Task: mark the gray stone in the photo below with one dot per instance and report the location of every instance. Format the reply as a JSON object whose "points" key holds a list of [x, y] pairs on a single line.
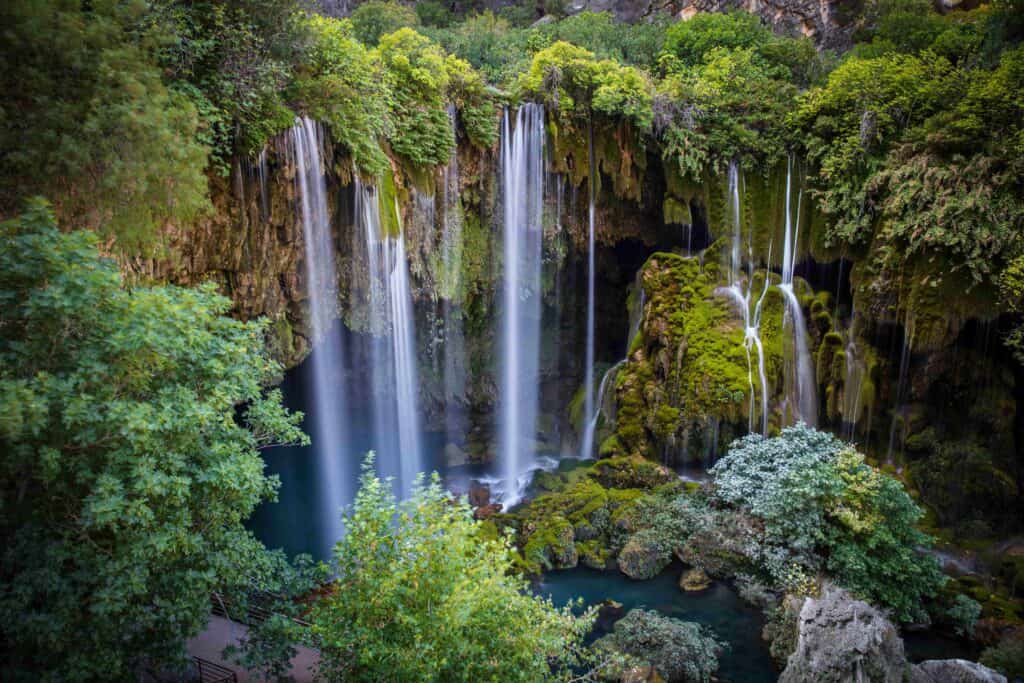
{"points": [[843, 640], [953, 671], [454, 456]]}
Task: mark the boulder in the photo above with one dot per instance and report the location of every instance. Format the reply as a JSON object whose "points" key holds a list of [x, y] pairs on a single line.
{"points": [[953, 671], [640, 558], [487, 511], [693, 580], [843, 640], [479, 495]]}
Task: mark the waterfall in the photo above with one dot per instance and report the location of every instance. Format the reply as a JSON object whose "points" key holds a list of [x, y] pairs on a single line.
{"points": [[853, 383], [395, 390], [591, 427], [452, 295], [329, 420], [587, 449], [898, 408], [261, 179], [739, 290], [522, 171], [804, 381]]}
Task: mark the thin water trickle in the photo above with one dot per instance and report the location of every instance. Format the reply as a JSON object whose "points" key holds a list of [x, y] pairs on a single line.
{"points": [[587, 449]]}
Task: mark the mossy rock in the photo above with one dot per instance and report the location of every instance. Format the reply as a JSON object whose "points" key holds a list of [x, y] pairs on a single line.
{"points": [[551, 546], [642, 557], [631, 472]]}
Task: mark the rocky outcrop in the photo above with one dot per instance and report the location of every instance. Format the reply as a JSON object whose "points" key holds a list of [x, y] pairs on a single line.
{"points": [[829, 23], [843, 640], [953, 671]]}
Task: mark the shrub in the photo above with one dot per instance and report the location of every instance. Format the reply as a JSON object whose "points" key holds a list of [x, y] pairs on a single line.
{"points": [[824, 508]]}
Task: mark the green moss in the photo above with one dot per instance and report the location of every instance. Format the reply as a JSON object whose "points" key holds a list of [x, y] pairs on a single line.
{"points": [[676, 212]]}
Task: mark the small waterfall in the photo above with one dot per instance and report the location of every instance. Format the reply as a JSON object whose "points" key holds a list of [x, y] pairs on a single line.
{"points": [[261, 180], [804, 382], [329, 420], [452, 296], [591, 427], [853, 382], [636, 313], [739, 290], [587, 449], [395, 391], [522, 172]]}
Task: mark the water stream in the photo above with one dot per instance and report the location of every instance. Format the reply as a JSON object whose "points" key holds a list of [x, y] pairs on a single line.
{"points": [[522, 174]]}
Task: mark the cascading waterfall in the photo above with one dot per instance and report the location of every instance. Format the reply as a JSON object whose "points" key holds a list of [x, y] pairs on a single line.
{"points": [[395, 380], [804, 382], [853, 383], [591, 426], [739, 290], [329, 420], [451, 292], [522, 172], [587, 449], [898, 423]]}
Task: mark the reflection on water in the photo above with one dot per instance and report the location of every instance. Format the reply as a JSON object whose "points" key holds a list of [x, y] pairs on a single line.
{"points": [[746, 661]]}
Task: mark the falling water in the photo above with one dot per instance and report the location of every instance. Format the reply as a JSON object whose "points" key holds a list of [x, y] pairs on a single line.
{"points": [[591, 427], [739, 290], [522, 170], [853, 383], [898, 408], [395, 391], [587, 449], [804, 384], [329, 420]]}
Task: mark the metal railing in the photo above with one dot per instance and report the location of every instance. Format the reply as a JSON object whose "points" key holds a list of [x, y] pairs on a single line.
{"points": [[210, 672]]}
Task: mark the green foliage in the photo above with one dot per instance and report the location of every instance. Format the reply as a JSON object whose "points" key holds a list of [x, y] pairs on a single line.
{"points": [[690, 41], [730, 107], [681, 651], [489, 43], [1007, 657], [478, 110], [341, 85], [422, 578], [232, 58], [964, 614], [417, 78], [87, 121], [574, 83], [823, 507], [375, 18], [637, 44], [131, 423]]}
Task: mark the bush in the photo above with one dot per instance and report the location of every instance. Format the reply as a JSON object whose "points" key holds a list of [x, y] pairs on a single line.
{"points": [[680, 650], [824, 508], [375, 18], [1007, 657]]}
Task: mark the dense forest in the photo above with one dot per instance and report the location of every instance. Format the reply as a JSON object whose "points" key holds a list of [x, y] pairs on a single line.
{"points": [[493, 341]]}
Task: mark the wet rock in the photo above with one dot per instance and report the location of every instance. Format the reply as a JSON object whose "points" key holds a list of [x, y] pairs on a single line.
{"points": [[454, 456], [479, 495], [487, 511], [843, 640], [641, 559], [693, 580], [953, 671]]}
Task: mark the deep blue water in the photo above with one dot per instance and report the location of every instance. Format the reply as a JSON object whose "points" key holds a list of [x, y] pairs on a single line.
{"points": [[719, 607]]}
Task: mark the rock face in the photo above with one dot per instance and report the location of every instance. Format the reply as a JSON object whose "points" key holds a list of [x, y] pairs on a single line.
{"points": [[829, 23], [953, 671], [843, 640], [694, 580]]}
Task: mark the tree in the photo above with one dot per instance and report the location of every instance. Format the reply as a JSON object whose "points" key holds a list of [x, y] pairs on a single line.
{"points": [[423, 594], [88, 122], [375, 18], [825, 509], [131, 421]]}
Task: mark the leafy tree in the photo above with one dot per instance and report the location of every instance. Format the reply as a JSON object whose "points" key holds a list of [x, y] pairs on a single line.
{"points": [[423, 594], [232, 58], [824, 508], [131, 422], [690, 41], [88, 122], [573, 82], [489, 43], [375, 18], [730, 107]]}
